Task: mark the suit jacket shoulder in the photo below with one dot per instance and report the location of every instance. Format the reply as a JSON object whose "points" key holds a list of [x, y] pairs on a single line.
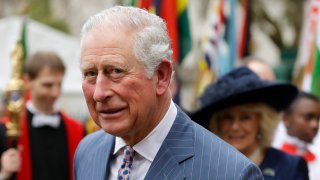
{"points": [[190, 151]]}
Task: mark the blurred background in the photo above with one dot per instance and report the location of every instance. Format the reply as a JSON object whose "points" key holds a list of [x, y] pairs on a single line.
{"points": [[209, 38]]}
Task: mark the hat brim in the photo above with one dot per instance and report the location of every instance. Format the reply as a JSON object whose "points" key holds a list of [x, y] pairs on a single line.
{"points": [[277, 96]]}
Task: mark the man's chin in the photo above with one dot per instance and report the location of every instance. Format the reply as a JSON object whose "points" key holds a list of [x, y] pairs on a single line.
{"points": [[114, 129]]}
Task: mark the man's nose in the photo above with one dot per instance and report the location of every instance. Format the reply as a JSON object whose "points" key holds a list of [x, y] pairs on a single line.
{"points": [[102, 88]]}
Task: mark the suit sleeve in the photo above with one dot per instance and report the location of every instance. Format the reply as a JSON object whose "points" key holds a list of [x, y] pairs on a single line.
{"points": [[251, 172]]}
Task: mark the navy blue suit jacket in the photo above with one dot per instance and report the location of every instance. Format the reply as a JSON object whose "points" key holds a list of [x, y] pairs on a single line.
{"points": [[188, 152], [279, 165]]}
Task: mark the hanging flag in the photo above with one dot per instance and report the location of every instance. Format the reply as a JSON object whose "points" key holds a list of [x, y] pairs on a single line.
{"points": [[175, 14], [315, 82], [183, 30], [305, 66], [167, 9], [204, 77], [245, 37], [213, 36], [227, 52], [210, 44], [220, 46]]}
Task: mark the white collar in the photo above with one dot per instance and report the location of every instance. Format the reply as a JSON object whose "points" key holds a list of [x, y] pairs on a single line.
{"points": [[34, 110], [150, 145], [301, 145], [40, 119]]}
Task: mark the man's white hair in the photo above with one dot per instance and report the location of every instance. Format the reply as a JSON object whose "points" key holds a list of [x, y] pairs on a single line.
{"points": [[151, 42]]}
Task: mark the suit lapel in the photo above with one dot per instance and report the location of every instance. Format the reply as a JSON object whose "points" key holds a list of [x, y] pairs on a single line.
{"points": [[109, 153], [176, 148], [101, 160]]}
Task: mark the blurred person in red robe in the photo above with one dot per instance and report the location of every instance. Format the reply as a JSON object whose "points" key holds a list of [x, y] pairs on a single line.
{"points": [[49, 137]]}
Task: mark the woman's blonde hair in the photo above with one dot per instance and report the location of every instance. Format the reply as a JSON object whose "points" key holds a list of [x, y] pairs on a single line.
{"points": [[268, 121]]}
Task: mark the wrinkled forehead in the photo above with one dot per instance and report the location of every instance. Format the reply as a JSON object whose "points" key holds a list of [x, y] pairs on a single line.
{"points": [[104, 39]]}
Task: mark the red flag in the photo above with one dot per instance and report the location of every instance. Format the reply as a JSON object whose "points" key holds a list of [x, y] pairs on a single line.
{"points": [[168, 11]]}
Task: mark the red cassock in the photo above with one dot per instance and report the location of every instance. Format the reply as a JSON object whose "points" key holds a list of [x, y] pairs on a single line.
{"points": [[75, 132]]}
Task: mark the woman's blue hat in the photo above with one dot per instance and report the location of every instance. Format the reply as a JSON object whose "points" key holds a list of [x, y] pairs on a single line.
{"points": [[242, 86]]}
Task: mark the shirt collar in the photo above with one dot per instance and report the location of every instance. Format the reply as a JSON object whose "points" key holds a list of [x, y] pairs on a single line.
{"points": [[150, 145], [34, 110], [301, 145]]}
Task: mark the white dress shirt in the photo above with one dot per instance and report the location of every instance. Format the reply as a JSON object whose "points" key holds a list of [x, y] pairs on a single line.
{"points": [[145, 150]]}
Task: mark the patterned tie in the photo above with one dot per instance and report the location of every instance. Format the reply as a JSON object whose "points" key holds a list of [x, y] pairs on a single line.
{"points": [[124, 171]]}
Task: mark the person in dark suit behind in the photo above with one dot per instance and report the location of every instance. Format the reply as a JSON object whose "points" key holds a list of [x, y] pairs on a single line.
{"points": [[244, 111], [126, 63]]}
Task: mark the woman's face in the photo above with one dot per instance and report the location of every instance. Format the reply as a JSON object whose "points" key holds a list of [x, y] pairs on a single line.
{"points": [[239, 127]]}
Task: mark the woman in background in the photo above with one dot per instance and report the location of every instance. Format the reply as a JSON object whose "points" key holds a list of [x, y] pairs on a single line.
{"points": [[244, 111]]}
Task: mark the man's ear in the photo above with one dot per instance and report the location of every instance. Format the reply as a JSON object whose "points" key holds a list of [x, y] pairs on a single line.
{"points": [[164, 73]]}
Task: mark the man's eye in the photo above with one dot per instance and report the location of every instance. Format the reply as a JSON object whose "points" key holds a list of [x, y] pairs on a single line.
{"points": [[90, 74], [116, 73], [117, 70]]}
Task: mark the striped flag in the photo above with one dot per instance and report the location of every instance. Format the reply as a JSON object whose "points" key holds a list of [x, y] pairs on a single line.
{"points": [[307, 67], [220, 43], [211, 45], [183, 30], [245, 38], [227, 52]]}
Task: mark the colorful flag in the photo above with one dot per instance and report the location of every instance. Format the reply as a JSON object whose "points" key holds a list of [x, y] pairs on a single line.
{"points": [[183, 30], [167, 9], [175, 13], [315, 82], [245, 37], [227, 52], [307, 65], [210, 44]]}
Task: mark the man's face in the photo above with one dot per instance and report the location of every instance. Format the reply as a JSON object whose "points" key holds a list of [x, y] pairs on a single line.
{"points": [[303, 122], [120, 98], [45, 89]]}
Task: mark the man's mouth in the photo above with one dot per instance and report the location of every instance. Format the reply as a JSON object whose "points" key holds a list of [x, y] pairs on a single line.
{"points": [[111, 113]]}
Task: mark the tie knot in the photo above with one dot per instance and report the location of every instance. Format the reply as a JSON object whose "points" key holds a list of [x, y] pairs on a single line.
{"points": [[128, 154]]}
